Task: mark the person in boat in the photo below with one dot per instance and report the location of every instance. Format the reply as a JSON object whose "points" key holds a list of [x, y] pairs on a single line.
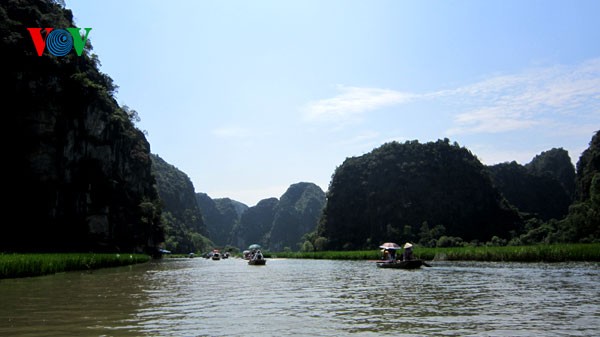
{"points": [[407, 255], [392, 255], [258, 255], [386, 255]]}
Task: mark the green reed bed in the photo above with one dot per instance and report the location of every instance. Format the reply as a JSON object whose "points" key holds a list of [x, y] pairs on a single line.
{"points": [[24, 265], [535, 253]]}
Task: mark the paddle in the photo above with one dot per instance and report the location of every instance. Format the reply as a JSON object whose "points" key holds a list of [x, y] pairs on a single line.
{"points": [[426, 264]]}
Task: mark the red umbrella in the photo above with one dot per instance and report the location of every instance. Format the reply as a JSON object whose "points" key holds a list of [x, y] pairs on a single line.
{"points": [[390, 245]]}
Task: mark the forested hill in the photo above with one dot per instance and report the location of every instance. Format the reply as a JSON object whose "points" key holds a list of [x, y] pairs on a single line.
{"points": [[543, 188], [220, 216], [280, 224], [407, 191], [555, 163], [583, 222], [255, 224], [588, 170], [78, 173], [185, 230], [297, 213]]}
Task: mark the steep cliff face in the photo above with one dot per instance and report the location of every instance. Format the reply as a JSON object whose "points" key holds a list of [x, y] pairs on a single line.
{"points": [[80, 173], [185, 230], [534, 192], [279, 224], [296, 214], [255, 224], [221, 215], [557, 164]]}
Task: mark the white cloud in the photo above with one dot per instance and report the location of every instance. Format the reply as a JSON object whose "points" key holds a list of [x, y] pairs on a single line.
{"points": [[501, 103], [490, 120], [538, 96], [352, 102]]}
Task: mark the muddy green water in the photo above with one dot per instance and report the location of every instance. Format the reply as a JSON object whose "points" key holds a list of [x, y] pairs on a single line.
{"points": [[198, 297]]}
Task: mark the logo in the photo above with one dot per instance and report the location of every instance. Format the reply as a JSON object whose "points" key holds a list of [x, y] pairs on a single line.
{"points": [[59, 42]]}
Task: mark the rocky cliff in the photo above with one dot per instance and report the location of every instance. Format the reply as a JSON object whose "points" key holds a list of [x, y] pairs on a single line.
{"points": [[185, 230], [296, 214], [221, 216], [79, 177]]}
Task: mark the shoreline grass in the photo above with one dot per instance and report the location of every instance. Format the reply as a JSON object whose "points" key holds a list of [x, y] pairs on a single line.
{"points": [[26, 265], [589, 252]]}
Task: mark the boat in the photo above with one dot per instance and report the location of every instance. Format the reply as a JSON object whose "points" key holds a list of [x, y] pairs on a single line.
{"points": [[257, 259], [246, 255], [216, 255], [409, 264], [257, 262]]}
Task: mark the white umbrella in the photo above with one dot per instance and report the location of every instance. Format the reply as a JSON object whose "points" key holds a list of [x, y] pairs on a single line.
{"points": [[390, 245]]}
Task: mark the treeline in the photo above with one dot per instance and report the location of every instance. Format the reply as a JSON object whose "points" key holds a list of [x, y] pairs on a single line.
{"points": [[439, 194]]}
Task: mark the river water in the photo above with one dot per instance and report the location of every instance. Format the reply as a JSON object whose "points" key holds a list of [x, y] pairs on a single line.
{"points": [[198, 297]]}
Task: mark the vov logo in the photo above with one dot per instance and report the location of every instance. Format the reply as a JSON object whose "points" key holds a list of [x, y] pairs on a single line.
{"points": [[59, 41]]}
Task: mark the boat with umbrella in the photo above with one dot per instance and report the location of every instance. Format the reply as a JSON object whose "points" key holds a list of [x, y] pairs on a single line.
{"points": [[256, 257], [406, 261]]}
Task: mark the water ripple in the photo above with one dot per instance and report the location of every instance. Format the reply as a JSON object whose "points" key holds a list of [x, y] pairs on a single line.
{"points": [[197, 297]]}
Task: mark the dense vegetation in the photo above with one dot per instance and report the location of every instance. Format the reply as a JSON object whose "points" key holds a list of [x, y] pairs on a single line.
{"points": [[533, 189], [557, 164], [281, 224], [413, 192], [185, 231], [582, 224], [533, 253], [296, 214], [24, 265], [79, 172], [437, 194], [220, 216], [255, 224]]}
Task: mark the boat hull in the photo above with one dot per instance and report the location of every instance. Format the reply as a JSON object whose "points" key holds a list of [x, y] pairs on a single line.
{"points": [[257, 262], [410, 264]]}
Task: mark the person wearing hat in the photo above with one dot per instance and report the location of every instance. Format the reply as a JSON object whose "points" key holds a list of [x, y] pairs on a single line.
{"points": [[408, 253]]}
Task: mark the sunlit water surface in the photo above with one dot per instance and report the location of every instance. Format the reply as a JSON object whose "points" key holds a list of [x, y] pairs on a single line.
{"points": [[198, 297]]}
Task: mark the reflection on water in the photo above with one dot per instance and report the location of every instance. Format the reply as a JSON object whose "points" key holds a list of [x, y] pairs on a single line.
{"points": [[197, 297]]}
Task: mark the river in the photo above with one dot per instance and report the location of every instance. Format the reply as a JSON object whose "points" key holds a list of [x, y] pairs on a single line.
{"points": [[198, 297]]}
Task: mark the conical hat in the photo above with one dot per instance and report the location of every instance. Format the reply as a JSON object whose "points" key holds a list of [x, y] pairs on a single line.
{"points": [[407, 245]]}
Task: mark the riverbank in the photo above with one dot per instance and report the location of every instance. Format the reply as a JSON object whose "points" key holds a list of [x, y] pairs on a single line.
{"points": [[25, 265], [535, 253]]}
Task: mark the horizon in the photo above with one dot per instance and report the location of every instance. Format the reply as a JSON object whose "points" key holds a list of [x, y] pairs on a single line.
{"points": [[250, 98]]}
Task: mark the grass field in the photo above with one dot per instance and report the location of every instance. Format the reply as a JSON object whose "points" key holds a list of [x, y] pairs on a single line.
{"points": [[24, 265], [535, 253]]}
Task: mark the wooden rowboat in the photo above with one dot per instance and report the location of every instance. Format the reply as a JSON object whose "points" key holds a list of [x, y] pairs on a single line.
{"points": [[410, 264], [257, 262]]}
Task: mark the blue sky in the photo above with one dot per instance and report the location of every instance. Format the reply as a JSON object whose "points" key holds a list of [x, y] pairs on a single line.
{"points": [[249, 97]]}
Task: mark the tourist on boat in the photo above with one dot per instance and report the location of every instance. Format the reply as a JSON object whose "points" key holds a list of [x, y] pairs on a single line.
{"points": [[258, 255], [386, 254], [392, 255], [408, 253]]}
